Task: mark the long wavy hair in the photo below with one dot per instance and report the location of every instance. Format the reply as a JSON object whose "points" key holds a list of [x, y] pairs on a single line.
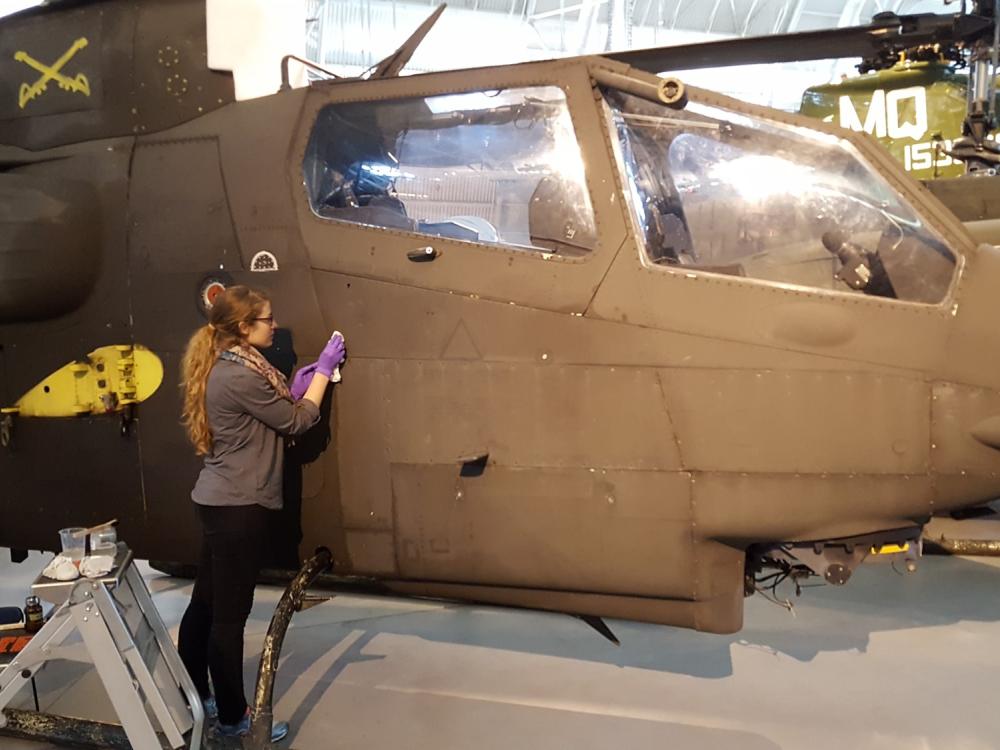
{"points": [[235, 305]]}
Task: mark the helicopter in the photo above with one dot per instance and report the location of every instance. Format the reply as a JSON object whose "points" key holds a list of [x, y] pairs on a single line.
{"points": [[916, 109], [618, 346]]}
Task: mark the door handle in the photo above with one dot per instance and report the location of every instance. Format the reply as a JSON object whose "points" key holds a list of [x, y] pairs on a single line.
{"points": [[423, 254]]}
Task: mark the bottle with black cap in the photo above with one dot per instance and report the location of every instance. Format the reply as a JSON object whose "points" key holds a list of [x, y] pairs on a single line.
{"points": [[33, 616]]}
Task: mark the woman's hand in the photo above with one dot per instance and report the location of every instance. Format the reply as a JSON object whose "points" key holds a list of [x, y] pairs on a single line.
{"points": [[301, 381], [332, 355]]}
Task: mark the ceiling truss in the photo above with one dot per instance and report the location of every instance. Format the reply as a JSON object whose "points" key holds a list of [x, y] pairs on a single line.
{"points": [[359, 32]]}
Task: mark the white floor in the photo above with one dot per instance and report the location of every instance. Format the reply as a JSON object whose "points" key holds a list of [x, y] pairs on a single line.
{"points": [[889, 661]]}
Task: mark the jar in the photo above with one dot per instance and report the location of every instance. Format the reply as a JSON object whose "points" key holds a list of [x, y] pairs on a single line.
{"points": [[34, 619]]}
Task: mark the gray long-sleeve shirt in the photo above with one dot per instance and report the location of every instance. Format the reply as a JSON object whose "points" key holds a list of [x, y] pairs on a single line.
{"points": [[247, 418]]}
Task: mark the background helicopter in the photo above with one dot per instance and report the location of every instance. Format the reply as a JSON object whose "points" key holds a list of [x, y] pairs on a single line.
{"points": [[916, 109], [618, 347]]}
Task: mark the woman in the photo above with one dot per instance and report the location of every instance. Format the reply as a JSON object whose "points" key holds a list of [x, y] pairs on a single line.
{"points": [[236, 408]]}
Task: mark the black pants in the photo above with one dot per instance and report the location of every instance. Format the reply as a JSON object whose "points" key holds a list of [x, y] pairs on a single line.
{"points": [[211, 633]]}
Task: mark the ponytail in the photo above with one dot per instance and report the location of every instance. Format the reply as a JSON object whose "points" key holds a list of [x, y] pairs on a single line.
{"points": [[237, 304], [199, 356]]}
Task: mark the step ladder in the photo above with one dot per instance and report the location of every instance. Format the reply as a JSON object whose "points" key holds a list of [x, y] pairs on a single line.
{"points": [[129, 646]]}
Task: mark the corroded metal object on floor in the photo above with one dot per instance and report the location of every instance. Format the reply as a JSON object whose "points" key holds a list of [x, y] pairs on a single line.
{"points": [[973, 547], [31, 725], [263, 716]]}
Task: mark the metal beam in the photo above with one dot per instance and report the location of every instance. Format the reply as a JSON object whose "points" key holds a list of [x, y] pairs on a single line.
{"points": [[851, 13], [677, 12], [750, 16], [711, 18], [795, 16]]}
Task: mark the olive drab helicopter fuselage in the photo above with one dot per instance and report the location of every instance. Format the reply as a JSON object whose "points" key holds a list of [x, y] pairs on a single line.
{"points": [[616, 347]]}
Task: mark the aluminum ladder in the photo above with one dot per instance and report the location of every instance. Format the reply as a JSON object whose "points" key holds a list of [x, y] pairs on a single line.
{"points": [[128, 644]]}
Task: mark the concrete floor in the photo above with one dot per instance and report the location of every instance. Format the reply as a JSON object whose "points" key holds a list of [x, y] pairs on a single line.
{"points": [[888, 661]]}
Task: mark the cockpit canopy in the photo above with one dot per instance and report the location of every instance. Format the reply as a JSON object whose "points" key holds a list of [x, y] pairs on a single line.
{"points": [[720, 191]]}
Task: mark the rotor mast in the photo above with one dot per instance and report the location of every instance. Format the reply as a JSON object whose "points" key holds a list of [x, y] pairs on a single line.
{"points": [[974, 148]]}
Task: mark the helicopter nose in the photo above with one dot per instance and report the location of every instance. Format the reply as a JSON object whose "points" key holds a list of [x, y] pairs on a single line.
{"points": [[965, 446]]}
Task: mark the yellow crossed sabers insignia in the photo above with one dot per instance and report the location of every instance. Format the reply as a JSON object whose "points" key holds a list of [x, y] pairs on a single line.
{"points": [[79, 83]]}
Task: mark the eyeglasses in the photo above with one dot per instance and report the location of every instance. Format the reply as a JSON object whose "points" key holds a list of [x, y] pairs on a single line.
{"points": [[269, 319]]}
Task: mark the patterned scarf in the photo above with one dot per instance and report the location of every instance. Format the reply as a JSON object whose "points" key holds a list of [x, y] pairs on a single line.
{"points": [[248, 356]]}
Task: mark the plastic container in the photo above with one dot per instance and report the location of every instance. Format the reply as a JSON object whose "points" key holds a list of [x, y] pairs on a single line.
{"points": [[74, 540], [104, 541]]}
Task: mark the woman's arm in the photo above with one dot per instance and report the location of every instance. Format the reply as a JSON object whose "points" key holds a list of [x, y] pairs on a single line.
{"points": [[317, 388], [256, 397]]}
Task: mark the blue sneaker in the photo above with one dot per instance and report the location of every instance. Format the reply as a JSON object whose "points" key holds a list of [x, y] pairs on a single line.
{"points": [[211, 709], [279, 730]]}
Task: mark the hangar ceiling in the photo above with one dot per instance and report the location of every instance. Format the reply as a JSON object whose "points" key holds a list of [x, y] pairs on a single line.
{"points": [[348, 35]]}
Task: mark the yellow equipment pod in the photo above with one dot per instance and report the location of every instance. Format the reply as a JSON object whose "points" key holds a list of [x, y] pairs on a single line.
{"points": [[891, 549], [110, 379]]}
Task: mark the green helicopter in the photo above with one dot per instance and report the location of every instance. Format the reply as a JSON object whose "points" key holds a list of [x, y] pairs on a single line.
{"points": [[916, 109]]}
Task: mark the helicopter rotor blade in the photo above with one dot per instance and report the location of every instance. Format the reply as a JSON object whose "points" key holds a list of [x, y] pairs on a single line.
{"points": [[883, 35], [390, 66]]}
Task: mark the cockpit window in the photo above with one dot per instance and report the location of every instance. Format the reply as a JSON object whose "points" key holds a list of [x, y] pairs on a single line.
{"points": [[722, 192], [497, 167]]}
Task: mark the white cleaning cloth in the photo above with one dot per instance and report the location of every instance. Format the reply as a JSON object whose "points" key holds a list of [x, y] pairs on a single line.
{"points": [[335, 377], [96, 566], [61, 569]]}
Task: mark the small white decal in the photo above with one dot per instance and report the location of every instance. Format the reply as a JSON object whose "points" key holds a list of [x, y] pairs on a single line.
{"points": [[264, 261]]}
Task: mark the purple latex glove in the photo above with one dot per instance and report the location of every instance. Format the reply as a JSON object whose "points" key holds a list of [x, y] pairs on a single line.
{"points": [[301, 381], [331, 356]]}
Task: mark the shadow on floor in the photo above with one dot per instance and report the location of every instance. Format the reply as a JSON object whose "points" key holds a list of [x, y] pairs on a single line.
{"points": [[944, 591]]}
